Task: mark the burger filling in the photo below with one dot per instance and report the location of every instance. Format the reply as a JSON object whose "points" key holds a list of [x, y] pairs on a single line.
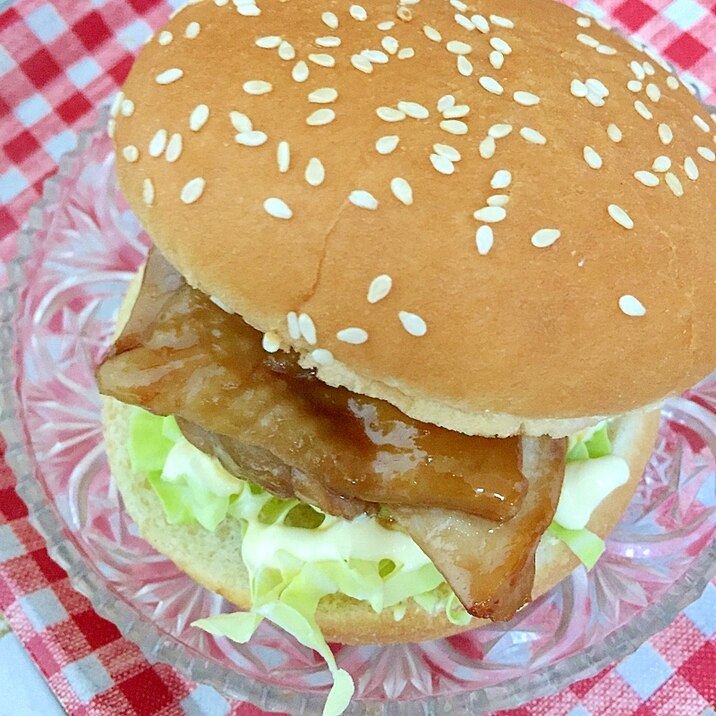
{"points": [[336, 492]]}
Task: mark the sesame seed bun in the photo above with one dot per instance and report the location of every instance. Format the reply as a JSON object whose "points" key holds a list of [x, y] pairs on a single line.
{"points": [[589, 294], [210, 558]]}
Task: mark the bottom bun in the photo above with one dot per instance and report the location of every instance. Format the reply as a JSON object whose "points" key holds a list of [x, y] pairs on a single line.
{"points": [[213, 558]]}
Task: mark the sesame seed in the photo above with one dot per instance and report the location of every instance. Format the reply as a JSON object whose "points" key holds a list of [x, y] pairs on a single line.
{"points": [[500, 131], [634, 86], [130, 153], [464, 66], [498, 200], [456, 112], [532, 136], [442, 164], [674, 183], [526, 99], [672, 82], [484, 240], [376, 56], [257, 87], [649, 68], [390, 114], [283, 156], [389, 44], [386, 25], [491, 85], [387, 144], [544, 238], [501, 179], [588, 40], [459, 48], [692, 171], [406, 53], [595, 100], [193, 190], [647, 178], [458, 5], [653, 92], [661, 164], [702, 124], [320, 117], [294, 330], [358, 12], [330, 19], [240, 122], [632, 306], [491, 214], [168, 76], [445, 150], [414, 110], [353, 336], [578, 88], [198, 117], [464, 22], [174, 148], [638, 70], [269, 42], [488, 147], [502, 21], [620, 216], [643, 110], [453, 126], [584, 22], [432, 34], [165, 37], [315, 172], [247, 9], [445, 102], [614, 133], [592, 157], [322, 59], [597, 87], [250, 139], [158, 143], [606, 50], [328, 41], [307, 328], [363, 199], [497, 59], [300, 71], [666, 134], [402, 190], [500, 45], [148, 192], [126, 108], [480, 23], [192, 30], [271, 342], [322, 356], [286, 51], [707, 153], [324, 95], [379, 288], [277, 208], [116, 104], [413, 323]]}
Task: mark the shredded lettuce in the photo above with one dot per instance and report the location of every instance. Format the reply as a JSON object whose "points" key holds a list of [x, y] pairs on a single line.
{"points": [[295, 555], [584, 543]]}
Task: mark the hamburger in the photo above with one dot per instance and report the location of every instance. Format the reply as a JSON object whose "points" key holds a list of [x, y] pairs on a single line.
{"points": [[421, 275]]}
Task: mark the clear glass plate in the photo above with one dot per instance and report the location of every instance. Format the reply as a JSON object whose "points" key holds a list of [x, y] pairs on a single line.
{"points": [[74, 262]]}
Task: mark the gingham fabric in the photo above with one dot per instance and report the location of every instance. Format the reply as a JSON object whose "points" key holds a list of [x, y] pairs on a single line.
{"points": [[60, 60]]}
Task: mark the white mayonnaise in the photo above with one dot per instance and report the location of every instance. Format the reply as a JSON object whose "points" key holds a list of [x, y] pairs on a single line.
{"points": [[586, 485]]}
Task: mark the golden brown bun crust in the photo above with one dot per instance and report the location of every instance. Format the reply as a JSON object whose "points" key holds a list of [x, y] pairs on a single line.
{"points": [[212, 559], [523, 338]]}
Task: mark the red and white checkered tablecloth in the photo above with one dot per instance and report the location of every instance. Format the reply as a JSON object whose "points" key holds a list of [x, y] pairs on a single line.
{"points": [[60, 60]]}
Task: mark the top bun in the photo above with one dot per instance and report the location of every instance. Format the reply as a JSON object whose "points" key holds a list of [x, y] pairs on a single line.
{"points": [[497, 216]]}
